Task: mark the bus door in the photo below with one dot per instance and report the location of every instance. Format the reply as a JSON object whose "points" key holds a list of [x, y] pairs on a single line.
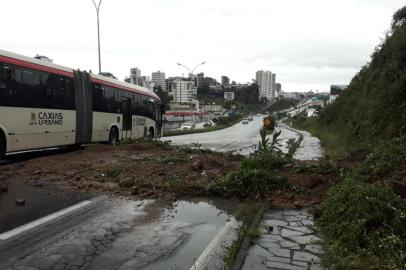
{"points": [[127, 118]]}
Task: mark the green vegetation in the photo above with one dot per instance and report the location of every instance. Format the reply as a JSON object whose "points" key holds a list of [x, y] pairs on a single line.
{"points": [[281, 104], [293, 145], [224, 122], [365, 227], [113, 173], [253, 232], [363, 219], [373, 107], [385, 163], [252, 183], [249, 216], [174, 183], [258, 174]]}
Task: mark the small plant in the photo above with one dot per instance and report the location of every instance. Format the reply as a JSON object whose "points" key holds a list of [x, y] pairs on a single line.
{"points": [[196, 145], [174, 183], [252, 183], [294, 145], [365, 226], [126, 182], [264, 144], [249, 217], [384, 161], [113, 173], [253, 233]]}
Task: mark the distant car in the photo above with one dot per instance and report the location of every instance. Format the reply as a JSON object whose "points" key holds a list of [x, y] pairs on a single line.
{"points": [[245, 121], [187, 126], [250, 118]]}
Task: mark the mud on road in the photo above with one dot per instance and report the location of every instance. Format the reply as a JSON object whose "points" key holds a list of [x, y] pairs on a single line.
{"points": [[142, 170]]}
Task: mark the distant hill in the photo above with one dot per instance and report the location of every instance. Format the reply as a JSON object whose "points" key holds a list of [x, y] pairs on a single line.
{"points": [[373, 107]]}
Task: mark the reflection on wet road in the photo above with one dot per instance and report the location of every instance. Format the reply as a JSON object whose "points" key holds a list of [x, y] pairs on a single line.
{"points": [[235, 138], [120, 237], [243, 139]]}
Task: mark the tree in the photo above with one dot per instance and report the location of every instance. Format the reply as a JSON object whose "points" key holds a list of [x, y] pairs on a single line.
{"points": [[164, 96], [399, 17]]}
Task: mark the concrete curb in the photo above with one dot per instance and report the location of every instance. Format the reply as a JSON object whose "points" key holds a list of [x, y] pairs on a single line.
{"points": [[202, 262], [242, 253], [44, 232]]}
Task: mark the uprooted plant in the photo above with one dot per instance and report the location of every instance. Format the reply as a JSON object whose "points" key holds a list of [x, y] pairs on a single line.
{"points": [[258, 174]]}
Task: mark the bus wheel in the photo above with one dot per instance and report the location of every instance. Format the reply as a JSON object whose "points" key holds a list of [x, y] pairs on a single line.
{"points": [[2, 147], [113, 136]]}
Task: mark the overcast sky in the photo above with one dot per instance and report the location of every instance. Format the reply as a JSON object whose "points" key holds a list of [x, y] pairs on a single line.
{"points": [[308, 44]]}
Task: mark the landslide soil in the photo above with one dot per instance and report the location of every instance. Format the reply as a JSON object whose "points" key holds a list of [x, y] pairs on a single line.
{"points": [[152, 170], [141, 170]]}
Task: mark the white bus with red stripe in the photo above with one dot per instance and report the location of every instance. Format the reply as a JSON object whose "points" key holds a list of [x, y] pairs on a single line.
{"points": [[44, 105]]}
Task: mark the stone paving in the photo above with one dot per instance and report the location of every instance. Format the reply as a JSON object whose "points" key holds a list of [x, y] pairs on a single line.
{"points": [[287, 242]]}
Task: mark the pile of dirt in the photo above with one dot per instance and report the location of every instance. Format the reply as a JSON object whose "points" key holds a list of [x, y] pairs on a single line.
{"points": [[144, 169], [155, 170], [313, 187]]}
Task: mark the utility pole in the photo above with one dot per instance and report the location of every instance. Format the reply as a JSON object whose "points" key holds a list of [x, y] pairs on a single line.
{"points": [[98, 30]]}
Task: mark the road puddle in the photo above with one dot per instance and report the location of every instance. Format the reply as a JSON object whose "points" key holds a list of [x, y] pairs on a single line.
{"points": [[124, 235], [37, 202]]}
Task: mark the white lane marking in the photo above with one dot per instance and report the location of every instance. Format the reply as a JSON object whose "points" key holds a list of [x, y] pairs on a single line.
{"points": [[204, 258], [42, 220]]}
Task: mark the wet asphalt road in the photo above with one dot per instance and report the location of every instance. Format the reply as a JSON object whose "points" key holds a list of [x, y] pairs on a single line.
{"points": [[243, 139], [115, 234], [237, 138]]}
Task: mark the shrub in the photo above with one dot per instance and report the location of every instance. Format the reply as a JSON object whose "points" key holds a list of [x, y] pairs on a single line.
{"points": [[113, 173], [266, 160], [252, 183], [365, 225], [384, 161]]}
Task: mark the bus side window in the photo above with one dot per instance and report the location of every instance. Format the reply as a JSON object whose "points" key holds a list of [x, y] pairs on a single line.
{"points": [[6, 89], [110, 99], [29, 92], [98, 99], [55, 92], [137, 105]]}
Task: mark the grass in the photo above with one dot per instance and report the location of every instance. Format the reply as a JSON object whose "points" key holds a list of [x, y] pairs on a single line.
{"points": [[363, 220], [202, 130], [253, 233], [256, 177], [249, 216], [113, 173], [330, 140]]}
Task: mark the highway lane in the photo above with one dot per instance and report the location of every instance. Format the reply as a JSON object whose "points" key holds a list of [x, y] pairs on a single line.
{"points": [[244, 138]]}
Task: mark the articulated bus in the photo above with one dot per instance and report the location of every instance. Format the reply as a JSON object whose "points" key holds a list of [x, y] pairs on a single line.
{"points": [[44, 105]]}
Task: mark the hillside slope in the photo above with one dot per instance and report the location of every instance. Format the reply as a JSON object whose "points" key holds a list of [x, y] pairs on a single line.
{"points": [[373, 108]]}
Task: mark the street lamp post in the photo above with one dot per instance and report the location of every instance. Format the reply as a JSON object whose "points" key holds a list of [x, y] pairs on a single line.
{"points": [[192, 70], [191, 73], [98, 30]]}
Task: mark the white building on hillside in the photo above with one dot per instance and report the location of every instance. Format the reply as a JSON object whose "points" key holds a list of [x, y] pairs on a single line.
{"points": [[182, 91], [266, 83], [158, 79], [135, 76]]}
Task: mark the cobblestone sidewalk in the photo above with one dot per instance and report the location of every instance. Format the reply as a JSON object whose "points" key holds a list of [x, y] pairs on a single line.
{"points": [[287, 242]]}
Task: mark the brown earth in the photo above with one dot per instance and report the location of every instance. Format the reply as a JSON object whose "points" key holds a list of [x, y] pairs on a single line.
{"points": [[140, 170], [314, 188], [152, 170]]}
